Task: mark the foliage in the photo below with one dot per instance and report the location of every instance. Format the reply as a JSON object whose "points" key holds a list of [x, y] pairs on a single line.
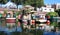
{"points": [[52, 14], [17, 1], [3, 1], [17, 13], [37, 3], [54, 24], [58, 11]]}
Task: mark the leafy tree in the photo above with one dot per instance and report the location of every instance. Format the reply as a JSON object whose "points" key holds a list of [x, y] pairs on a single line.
{"points": [[52, 14], [3, 1], [37, 3], [17, 1], [58, 11]]}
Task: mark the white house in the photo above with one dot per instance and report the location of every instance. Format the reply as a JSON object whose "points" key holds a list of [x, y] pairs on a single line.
{"points": [[45, 9]]}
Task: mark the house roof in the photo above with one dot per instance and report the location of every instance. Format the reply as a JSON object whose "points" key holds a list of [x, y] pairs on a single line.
{"points": [[10, 5]]}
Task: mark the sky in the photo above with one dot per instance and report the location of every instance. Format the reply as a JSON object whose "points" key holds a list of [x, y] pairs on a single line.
{"points": [[51, 1]]}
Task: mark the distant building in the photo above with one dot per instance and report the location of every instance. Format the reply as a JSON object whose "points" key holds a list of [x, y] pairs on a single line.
{"points": [[56, 6], [48, 6]]}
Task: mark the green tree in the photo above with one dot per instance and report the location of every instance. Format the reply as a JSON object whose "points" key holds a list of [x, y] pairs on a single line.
{"points": [[27, 2], [17, 1], [58, 11], [3, 1], [54, 14], [39, 3]]}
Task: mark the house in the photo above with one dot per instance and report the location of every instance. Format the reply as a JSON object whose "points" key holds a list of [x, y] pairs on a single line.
{"points": [[46, 9]]}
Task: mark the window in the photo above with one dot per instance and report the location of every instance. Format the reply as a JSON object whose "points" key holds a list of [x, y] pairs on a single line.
{"points": [[50, 9], [8, 15], [45, 9]]}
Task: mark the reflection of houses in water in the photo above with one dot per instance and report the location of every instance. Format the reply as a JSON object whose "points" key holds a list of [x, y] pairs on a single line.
{"points": [[9, 15]]}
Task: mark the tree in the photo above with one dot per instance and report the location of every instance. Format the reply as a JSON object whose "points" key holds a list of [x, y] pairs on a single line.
{"points": [[3, 1], [17, 1], [35, 3], [58, 11], [39, 3], [51, 14], [54, 14]]}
